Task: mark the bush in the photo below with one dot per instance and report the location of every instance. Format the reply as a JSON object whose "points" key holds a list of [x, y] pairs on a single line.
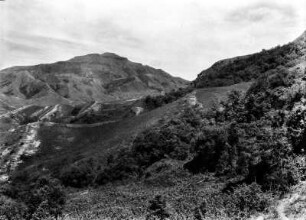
{"points": [[11, 209], [120, 167], [34, 197], [296, 128], [241, 203], [158, 209], [152, 102], [250, 198], [80, 174], [170, 139], [209, 145]]}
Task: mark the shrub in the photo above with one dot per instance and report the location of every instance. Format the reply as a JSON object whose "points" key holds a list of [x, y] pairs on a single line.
{"points": [[152, 102], [45, 197], [209, 145], [80, 174], [35, 197], [158, 209], [296, 127], [120, 167], [11, 209], [244, 201], [170, 139]]}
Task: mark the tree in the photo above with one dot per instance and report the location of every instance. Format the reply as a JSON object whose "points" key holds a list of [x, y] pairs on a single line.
{"points": [[35, 197], [10, 209], [45, 198]]}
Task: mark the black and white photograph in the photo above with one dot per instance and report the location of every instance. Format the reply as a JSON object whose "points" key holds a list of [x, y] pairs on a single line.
{"points": [[152, 110]]}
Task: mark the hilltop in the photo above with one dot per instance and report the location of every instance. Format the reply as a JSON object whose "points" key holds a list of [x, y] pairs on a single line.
{"points": [[250, 67], [93, 77]]}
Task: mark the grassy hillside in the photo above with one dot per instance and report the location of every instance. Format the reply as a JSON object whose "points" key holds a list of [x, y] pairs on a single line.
{"points": [[213, 95], [212, 154], [205, 164], [231, 162], [246, 150], [64, 143]]}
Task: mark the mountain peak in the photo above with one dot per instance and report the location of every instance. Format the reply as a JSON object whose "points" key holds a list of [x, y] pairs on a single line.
{"points": [[112, 55], [96, 57]]}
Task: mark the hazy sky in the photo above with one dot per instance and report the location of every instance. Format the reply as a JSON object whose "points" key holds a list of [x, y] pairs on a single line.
{"points": [[183, 37]]}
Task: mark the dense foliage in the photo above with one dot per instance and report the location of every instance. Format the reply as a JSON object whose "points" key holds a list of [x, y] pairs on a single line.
{"points": [[32, 196], [152, 102], [237, 138], [239, 204], [169, 140], [79, 174], [252, 142], [247, 68], [255, 136]]}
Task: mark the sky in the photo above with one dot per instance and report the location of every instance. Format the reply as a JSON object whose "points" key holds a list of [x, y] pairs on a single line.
{"points": [[182, 37]]}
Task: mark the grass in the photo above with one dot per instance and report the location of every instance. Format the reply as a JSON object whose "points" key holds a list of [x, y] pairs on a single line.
{"points": [[211, 96], [130, 200], [62, 144]]}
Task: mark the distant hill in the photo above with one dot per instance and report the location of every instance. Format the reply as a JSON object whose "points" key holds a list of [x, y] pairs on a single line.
{"points": [[93, 77], [246, 68]]}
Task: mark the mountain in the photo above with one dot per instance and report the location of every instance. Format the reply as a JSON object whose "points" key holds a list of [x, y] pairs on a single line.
{"points": [[233, 149], [93, 89], [93, 77], [250, 67]]}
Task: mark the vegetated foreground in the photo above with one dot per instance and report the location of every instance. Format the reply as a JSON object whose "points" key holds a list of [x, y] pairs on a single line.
{"points": [[233, 156], [64, 145], [227, 163]]}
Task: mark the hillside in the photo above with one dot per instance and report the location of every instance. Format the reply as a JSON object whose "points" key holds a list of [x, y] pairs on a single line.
{"points": [[61, 139], [209, 152], [232, 161], [93, 77], [250, 67]]}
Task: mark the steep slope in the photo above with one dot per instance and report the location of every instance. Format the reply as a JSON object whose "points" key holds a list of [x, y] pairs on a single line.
{"points": [[94, 77], [61, 140], [250, 67]]}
